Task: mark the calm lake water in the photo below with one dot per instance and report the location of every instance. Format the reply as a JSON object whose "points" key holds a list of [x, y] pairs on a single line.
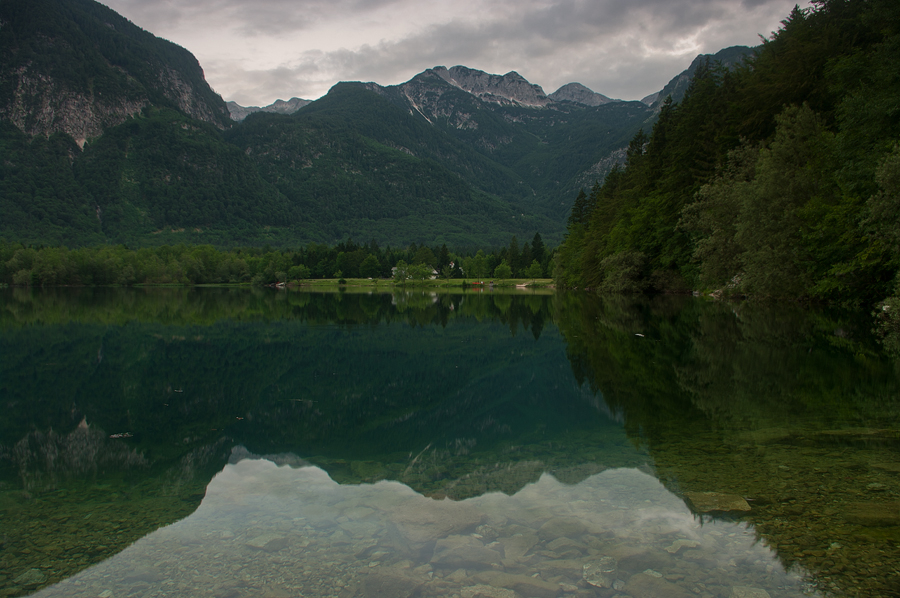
{"points": [[233, 442]]}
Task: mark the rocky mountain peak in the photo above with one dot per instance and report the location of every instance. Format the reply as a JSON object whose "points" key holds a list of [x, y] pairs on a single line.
{"points": [[579, 94], [239, 113], [511, 88]]}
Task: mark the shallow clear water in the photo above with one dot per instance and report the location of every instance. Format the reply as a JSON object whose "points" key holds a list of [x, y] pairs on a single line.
{"points": [[264, 529], [235, 443]]}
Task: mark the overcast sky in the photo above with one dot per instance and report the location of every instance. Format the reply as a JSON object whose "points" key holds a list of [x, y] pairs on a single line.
{"points": [[257, 51]]}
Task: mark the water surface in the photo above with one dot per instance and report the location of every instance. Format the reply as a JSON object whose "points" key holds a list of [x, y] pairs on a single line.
{"points": [[169, 442]]}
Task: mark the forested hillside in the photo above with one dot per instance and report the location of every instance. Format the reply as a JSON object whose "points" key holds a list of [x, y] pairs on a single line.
{"points": [[111, 135], [549, 150], [355, 164], [77, 67], [780, 178]]}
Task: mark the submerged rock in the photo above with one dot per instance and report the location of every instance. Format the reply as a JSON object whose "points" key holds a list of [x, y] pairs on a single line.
{"points": [[483, 591], [710, 502], [463, 551], [568, 568], [874, 514], [602, 573], [560, 527], [422, 520], [891, 466], [523, 584], [679, 544], [648, 586], [381, 584], [32, 577], [745, 592], [518, 545], [268, 542]]}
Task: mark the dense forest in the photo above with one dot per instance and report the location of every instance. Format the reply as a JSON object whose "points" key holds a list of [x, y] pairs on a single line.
{"points": [[778, 178], [204, 264]]}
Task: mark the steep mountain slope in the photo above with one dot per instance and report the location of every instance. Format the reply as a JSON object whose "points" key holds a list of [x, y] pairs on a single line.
{"points": [[163, 171], [508, 89], [676, 88], [357, 164], [554, 147], [112, 135], [77, 67], [160, 177], [453, 152]]}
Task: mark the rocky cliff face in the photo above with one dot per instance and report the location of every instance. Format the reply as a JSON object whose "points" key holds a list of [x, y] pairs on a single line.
{"points": [[579, 94], [42, 106], [188, 96], [78, 68], [510, 88], [431, 95]]}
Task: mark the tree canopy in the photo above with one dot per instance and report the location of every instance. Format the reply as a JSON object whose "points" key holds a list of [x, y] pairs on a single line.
{"points": [[772, 179]]}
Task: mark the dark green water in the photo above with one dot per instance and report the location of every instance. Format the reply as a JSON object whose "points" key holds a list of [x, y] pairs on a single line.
{"points": [[225, 442]]}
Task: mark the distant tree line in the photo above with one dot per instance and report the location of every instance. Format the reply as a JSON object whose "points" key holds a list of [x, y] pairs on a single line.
{"points": [[204, 264]]}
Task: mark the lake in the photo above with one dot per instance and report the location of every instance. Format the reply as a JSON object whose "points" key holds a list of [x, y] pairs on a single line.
{"points": [[235, 442]]}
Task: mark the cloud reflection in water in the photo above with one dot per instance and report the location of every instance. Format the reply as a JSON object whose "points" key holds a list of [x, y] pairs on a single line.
{"points": [[268, 530]]}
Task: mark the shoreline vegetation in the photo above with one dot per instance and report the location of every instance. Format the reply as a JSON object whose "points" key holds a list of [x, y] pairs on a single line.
{"points": [[438, 283], [326, 284], [186, 265]]}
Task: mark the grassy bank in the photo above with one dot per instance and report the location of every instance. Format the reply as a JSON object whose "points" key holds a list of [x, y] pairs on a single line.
{"points": [[526, 284]]}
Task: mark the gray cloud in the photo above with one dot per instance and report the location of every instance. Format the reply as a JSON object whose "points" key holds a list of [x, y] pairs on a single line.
{"points": [[257, 52], [260, 17]]}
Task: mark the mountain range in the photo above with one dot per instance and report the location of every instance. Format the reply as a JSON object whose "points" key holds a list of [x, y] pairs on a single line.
{"points": [[110, 134]]}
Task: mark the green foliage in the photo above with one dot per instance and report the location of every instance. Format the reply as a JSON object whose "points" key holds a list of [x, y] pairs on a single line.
{"points": [[166, 171], [714, 217], [301, 272], [355, 163], [425, 256], [370, 267], [762, 180], [535, 270], [791, 189], [503, 271], [883, 208], [157, 176], [476, 266], [420, 272], [401, 272], [624, 273], [40, 197]]}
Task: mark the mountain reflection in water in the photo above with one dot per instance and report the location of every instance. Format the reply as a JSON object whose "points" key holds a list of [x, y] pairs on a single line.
{"points": [[269, 530], [486, 445]]}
